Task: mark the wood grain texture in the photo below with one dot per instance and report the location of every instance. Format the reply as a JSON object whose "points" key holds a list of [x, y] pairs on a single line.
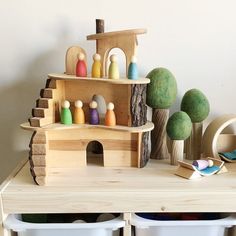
{"points": [[116, 33], [177, 152], [138, 105], [94, 189], [159, 148], [57, 126], [81, 144], [196, 146], [65, 77], [188, 148]]}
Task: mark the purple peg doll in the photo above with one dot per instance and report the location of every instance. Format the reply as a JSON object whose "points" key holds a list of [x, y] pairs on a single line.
{"points": [[93, 113]]}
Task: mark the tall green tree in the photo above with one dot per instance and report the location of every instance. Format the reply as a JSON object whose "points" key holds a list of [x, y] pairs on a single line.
{"points": [[161, 94]]}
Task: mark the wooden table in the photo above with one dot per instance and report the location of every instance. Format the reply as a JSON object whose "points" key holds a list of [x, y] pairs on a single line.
{"points": [[125, 190]]}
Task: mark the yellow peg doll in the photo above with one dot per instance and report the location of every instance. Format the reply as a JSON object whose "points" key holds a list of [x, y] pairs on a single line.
{"points": [[97, 66]]}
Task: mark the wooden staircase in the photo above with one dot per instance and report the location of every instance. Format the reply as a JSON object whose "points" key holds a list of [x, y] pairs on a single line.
{"points": [[48, 105]]}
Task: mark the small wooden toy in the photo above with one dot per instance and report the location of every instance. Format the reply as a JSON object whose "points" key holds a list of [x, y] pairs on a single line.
{"points": [[133, 69], [79, 117], [101, 107], [202, 164], [66, 117], [110, 118], [179, 127], [54, 145], [93, 113], [213, 139], [191, 171], [113, 72], [81, 68], [97, 66], [161, 94], [196, 105]]}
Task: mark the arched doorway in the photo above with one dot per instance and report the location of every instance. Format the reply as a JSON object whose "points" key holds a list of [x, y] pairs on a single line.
{"points": [[122, 60], [94, 153]]}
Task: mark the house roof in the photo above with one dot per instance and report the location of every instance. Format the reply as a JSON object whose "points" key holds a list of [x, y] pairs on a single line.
{"points": [[116, 33]]}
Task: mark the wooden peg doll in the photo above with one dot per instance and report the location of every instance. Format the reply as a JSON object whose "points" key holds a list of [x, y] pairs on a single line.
{"points": [[133, 69], [79, 117], [81, 68], [66, 117], [113, 72], [110, 117], [93, 113], [97, 66], [203, 164]]}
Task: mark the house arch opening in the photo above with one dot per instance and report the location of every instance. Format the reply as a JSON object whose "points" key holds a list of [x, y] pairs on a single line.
{"points": [[94, 153], [121, 60]]}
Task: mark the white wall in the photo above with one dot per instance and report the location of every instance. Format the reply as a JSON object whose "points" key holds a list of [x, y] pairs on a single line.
{"points": [[195, 39]]}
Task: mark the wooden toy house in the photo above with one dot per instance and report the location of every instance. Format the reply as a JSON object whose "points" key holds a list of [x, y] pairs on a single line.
{"points": [[61, 147]]}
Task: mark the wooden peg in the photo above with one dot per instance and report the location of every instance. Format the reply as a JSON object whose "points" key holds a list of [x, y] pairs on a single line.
{"points": [[81, 68], [66, 117], [133, 69], [79, 117], [99, 26], [110, 117], [93, 113], [113, 72], [97, 66]]}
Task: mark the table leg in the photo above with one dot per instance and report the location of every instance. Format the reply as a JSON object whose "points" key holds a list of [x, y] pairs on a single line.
{"points": [[127, 228]]}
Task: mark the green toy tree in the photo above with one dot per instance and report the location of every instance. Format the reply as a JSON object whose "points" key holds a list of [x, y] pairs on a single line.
{"points": [[196, 105], [178, 128], [161, 94]]}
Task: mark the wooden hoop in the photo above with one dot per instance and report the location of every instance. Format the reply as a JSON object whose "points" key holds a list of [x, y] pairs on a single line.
{"points": [[212, 132]]}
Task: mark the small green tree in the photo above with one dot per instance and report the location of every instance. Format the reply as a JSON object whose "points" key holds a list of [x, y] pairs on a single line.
{"points": [[161, 94], [196, 105], [179, 127]]}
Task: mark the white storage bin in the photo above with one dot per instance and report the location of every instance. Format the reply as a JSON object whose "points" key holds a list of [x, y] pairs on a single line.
{"points": [[106, 228], [147, 227]]}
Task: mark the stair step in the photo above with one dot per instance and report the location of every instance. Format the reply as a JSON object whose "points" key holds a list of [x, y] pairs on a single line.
{"points": [[46, 93], [41, 112], [51, 83], [44, 103], [39, 122]]}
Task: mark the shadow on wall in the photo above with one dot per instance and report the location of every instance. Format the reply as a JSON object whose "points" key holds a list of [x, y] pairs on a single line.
{"points": [[18, 99]]}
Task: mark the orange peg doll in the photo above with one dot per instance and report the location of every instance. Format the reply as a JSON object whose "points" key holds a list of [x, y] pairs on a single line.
{"points": [[81, 68], [110, 117], [79, 117]]}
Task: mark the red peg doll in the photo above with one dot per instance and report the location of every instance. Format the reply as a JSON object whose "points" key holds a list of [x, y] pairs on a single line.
{"points": [[81, 68]]}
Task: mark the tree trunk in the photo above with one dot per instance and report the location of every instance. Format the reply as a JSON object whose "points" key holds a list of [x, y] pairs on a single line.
{"points": [[159, 148], [177, 152], [188, 148], [194, 143], [197, 141]]}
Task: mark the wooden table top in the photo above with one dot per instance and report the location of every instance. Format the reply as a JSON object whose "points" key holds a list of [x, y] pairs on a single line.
{"points": [[153, 188]]}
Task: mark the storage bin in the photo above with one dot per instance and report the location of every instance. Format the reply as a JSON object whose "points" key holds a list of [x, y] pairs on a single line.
{"points": [[106, 228], [150, 227]]}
